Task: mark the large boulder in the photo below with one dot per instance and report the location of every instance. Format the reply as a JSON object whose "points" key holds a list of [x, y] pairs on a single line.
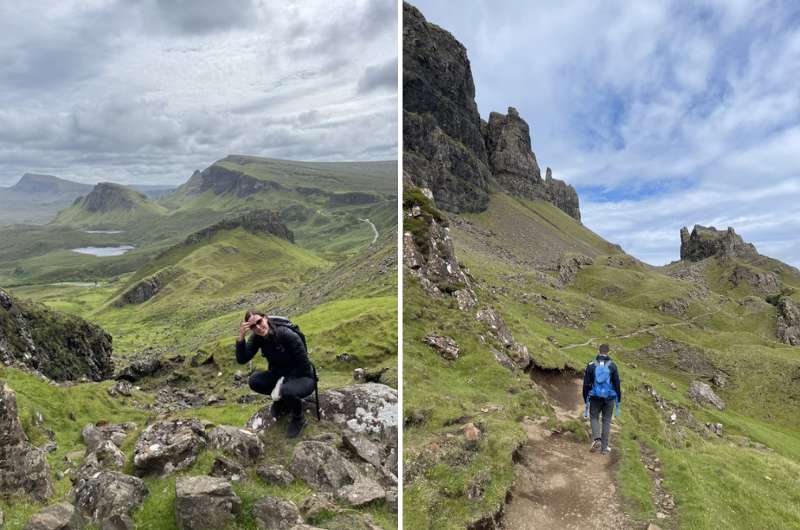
{"points": [[60, 346], [275, 474], [702, 393], [243, 444], [94, 435], [323, 467], [205, 503], [168, 446], [369, 409], [62, 516], [23, 467], [273, 513], [788, 329], [140, 368], [108, 499], [361, 493]]}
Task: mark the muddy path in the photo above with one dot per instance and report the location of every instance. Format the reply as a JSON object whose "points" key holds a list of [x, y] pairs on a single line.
{"points": [[558, 483]]}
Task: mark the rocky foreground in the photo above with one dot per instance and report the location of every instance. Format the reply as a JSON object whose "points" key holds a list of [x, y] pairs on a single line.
{"points": [[350, 464]]}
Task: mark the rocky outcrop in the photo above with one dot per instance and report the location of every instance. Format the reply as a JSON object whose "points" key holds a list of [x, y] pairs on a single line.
{"points": [[515, 352], [221, 180], [788, 329], [323, 467], [447, 148], [570, 264], [702, 393], [443, 144], [205, 503], [445, 346], [168, 446], [259, 222], [428, 252], [514, 165], [23, 467], [108, 499], [705, 242], [275, 474], [147, 288], [762, 282], [60, 346], [61, 516]]}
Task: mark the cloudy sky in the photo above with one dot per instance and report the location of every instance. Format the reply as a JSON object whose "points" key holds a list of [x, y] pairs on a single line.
{"points": [[661, 114], [146, 91]]}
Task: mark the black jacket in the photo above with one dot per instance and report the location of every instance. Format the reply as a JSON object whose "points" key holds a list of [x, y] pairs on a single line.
{"points": [[588, 377], [283, 349]]}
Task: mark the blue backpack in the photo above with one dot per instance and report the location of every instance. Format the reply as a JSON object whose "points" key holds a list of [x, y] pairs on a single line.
{"points": [[602, 387]]}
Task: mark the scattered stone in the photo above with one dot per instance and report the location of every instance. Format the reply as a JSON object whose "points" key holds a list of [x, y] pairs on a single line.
{"points": [[702, 393], [139, 369], [359, 375], [275, 474], [364, 448], [168, 446], [471, 433], [205, 503], [674, 306], [226, 468], [108, 498], [345, 358], [23, 467], [202, 358], [673, 386], [120, 388], [447, 347], [391, 499], [570, 264], [719, 380], [95, 434], [322, 466], [276, 514], [243, 444], [716, 428], [62, 516], [361, 493], [108, 455], [317, 504]]}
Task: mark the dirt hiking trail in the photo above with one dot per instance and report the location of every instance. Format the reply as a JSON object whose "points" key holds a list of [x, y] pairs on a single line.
{"points": [[558, 483]]}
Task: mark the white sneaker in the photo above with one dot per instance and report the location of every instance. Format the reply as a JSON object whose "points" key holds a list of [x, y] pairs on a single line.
{"points": [[276, 392], [595, 447]]}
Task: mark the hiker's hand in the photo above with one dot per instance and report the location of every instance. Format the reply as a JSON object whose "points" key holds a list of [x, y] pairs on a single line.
{"points": [[244, 327]]}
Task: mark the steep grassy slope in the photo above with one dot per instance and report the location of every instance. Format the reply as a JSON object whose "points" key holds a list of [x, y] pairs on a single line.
{"points": [[665, 332]]}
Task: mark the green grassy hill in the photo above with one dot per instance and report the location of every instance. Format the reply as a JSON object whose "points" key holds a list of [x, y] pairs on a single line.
{"points": [[338, 281], [666, 326]]}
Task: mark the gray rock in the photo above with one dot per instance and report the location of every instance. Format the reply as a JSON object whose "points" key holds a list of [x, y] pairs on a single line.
{"points": [[121, 388], [570, 264], [109, 456], [108, 498], [139, 369], [95, 434], [242, 444], [204, 503], [391, 499], [788, 328], [359, 375], [705, 242], [23, 467], [702, 393], [361, 493], [322, 466], [496, 324], [317, 504], [275, 474], [168, 446], [351, 520], [445, 346], [272, 513], [364, 448], [716, 428], [62, 516], [369, 409], [761, 282], [225, 468]]}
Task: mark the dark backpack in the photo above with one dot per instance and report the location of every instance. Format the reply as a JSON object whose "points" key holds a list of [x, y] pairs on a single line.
{"points": [[286, 323], [602, 387]]}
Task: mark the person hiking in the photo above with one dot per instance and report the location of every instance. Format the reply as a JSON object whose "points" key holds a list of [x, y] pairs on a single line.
{"points": [[601, 391], [289, 376]]}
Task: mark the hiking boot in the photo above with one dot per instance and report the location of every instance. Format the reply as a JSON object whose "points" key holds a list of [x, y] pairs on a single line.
{"points": [[605, 451], [296, 425], [595, 447], [278, 410]]}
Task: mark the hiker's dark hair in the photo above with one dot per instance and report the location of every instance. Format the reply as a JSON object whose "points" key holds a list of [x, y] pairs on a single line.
{"points": [[603, 348], [251, 312]]}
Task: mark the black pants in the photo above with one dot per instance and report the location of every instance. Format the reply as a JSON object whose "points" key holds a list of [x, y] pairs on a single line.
{"points": [[293, 389]]}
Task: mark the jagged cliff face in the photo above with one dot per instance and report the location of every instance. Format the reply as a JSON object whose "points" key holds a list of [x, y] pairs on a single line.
{"points": [[444, 149], [447, 148], [705, 242], [222, 180], [62, 347]]}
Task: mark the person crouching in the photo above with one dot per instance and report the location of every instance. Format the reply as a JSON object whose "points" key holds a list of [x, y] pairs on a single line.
{"points": [[289, 376]]}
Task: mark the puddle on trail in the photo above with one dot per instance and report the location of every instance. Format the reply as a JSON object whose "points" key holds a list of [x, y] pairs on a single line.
{"points": [[563, 387], [104, 251]]}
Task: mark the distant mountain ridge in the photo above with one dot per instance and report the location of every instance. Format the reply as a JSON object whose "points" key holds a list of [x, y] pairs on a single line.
{"points": [[38, 183]]}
